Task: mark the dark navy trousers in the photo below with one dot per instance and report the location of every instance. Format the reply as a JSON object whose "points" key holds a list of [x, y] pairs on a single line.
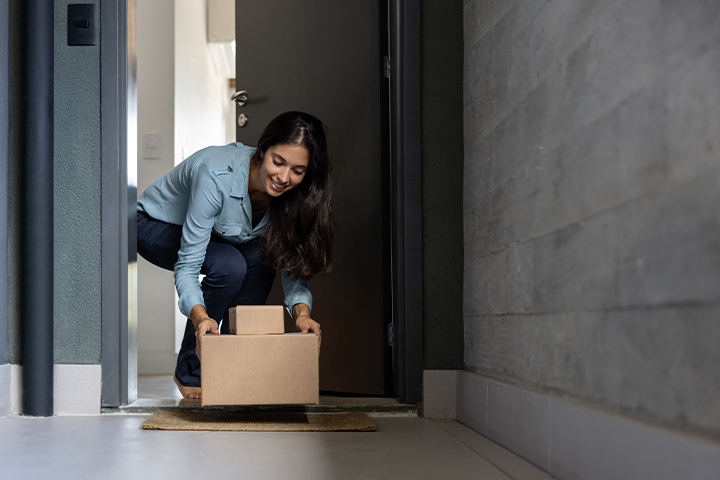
{"points": [[234, 275]]}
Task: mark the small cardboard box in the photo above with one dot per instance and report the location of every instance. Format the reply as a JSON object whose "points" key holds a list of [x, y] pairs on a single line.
{"points": [[256, 320], [260, 369]]}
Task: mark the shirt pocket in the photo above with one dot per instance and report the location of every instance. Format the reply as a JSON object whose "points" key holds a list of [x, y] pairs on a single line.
{"points": [[229, 230]]}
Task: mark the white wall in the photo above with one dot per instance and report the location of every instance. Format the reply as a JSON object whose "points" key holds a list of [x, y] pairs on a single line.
{"points": [[181, 98], [200, 95], [156, 113]]}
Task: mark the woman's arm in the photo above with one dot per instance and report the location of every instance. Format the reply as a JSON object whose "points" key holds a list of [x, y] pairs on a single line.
{"points": [[304, 323], [204, 205]]}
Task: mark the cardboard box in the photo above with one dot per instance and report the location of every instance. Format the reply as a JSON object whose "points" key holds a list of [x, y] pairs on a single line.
{"points": [[256, 320], [260, 369]]}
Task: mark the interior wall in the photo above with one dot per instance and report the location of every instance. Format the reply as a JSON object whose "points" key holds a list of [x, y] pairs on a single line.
{"points": [[77, 226], [155, 115], [592, 238], [181, 98], [200, 95], [442, 170], [4, 165], [14, 226]]}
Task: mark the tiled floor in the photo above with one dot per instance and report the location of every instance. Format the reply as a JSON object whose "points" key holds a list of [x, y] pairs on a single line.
{"points": [[113, 446]]}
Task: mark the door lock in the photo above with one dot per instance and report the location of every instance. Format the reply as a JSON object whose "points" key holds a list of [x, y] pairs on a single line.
{"points": [[242, 120]]}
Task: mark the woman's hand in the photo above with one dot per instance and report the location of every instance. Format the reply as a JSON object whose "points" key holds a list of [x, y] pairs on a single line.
{"points": [[304, 323], [203, 324]]}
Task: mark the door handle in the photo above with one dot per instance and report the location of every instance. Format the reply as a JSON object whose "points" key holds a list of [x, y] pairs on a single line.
{"points": [[239, 97]]}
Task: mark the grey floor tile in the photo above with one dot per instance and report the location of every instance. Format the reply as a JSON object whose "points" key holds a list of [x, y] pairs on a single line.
{"points": [[506, 461], [114, 447]]}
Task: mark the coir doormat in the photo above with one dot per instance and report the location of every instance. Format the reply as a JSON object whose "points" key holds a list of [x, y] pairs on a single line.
{"points": [[260, 422]]}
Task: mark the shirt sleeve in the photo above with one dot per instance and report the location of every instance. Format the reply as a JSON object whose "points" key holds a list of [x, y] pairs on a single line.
{"points": [[204, 205], [297, 290]]}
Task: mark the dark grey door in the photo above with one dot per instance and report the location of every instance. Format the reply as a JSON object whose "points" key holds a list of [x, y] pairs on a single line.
{"points": [[325, 57]]}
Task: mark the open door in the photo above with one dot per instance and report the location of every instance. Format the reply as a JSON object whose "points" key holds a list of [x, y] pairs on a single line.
{"points": [[327, 58]]}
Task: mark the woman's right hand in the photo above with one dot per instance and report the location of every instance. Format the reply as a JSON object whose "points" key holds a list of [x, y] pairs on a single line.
{"points": [[203, 325]]}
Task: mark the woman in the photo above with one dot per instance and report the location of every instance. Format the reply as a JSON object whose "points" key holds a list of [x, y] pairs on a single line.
{"points": [[237, 214]]}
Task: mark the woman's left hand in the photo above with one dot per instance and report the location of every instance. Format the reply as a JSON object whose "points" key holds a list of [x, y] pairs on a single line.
{"points": [[305, 324]]}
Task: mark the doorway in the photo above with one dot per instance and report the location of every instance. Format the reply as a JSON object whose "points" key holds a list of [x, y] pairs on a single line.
{"points": [[405, 357], [327, 58]]}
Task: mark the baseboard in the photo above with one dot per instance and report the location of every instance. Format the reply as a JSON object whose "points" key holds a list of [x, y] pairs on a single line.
{"points": [[439, 387], [572, 441], [5, 388], [156, 363], [76, 389], [16, 385]]}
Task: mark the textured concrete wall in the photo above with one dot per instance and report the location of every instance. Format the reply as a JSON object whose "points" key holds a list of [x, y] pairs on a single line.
{"points": [[591, 193], [77, 195], [14, 183], [442, 168]]}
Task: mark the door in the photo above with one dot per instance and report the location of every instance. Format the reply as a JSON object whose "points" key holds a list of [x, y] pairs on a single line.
{"points": [[326, 58]]}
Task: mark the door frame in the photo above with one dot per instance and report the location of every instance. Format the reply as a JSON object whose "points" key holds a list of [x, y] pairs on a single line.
{"points": [[119, 193], [404, 25], [118, 80]]}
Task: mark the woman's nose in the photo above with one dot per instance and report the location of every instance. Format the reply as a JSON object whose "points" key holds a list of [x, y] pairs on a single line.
{"points": [[285, 175]]}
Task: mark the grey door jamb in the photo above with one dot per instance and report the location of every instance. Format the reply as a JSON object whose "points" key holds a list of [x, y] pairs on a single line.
{"points": [[117, 65], [406, 199]]}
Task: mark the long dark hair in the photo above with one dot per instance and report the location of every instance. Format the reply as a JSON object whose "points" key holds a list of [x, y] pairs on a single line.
{"points": [[298, 238]]}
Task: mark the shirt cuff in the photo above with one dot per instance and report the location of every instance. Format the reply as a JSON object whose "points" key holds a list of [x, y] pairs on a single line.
{"points": [[187, 302]]}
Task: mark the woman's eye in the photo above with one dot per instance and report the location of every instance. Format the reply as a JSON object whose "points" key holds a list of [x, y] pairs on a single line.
{"points": [[277, 164], [298, 173]]}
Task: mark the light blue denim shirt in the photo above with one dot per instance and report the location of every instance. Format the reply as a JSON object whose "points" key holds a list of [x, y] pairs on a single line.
{"points": [[208, 193]]}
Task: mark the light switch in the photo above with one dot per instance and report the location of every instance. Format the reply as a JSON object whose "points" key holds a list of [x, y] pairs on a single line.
{"points": [[81, 24], [151, 146]]}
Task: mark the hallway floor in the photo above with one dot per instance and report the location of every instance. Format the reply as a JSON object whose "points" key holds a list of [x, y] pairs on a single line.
{"points": [[113, 446]]}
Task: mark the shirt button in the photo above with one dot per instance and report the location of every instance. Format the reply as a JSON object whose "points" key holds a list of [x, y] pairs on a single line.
{"points": [[248, 234], [223, 232]]}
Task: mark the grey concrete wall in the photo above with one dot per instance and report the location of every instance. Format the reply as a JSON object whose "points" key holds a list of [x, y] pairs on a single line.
{"points": [[591, 193], [14, 196], [4, 154], [442, 169], [77, 195]]}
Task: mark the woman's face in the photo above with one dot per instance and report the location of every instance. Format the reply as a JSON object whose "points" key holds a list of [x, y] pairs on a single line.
{"points": [[283, 168]]}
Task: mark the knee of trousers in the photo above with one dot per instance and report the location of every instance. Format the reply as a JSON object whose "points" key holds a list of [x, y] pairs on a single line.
{"points": [[229, 272]]}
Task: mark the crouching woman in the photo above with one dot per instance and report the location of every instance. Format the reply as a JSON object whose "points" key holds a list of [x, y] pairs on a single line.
{"points": [[238, 214]]}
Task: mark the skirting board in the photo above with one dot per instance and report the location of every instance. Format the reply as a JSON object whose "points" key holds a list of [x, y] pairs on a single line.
{"points": [[571, 441], [76, 389], [5, 389], [439, 387], [156, 363]]}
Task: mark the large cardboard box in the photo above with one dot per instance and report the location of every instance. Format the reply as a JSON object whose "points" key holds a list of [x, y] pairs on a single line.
{"points": [[260, 369], [256, 319]]}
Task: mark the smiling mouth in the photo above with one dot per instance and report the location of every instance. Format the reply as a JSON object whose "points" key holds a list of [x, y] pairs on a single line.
{"points": [[277, 185]]}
